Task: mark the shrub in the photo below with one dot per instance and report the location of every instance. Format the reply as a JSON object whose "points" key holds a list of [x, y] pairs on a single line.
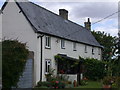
{"points": [[14, 56], [117, 81], [94, 69], [43, 84], [108, 80], [55, 81], [84, 81]]}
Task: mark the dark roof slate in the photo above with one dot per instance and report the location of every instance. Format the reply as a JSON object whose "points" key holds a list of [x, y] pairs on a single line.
{"points": [[50, 23]]}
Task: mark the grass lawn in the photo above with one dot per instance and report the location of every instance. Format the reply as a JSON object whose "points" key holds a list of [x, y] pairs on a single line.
{"points": [[92, 84]]}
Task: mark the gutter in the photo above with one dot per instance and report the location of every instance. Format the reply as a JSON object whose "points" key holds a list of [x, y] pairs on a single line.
{"points": [[41, 37]]}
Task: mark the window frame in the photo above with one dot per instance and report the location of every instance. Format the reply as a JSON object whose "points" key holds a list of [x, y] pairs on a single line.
{"points": [[86, 48], [47, 65], [62, 44], [74, 46], [93, 52], [99, 51], [47, 42]]}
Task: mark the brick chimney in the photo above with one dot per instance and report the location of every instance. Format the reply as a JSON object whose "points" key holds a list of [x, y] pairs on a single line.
{"points": [[88, 24], [63, 13]]}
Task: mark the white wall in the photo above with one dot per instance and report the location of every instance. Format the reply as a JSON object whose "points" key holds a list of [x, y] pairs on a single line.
{"points": [[56, 49], [15, 26]]}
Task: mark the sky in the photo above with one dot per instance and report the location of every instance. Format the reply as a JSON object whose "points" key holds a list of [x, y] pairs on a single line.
{"points": [[80, 10]]}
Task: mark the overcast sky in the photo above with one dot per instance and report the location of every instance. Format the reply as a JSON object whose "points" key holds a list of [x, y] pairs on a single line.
{"points": [[79, 10]]}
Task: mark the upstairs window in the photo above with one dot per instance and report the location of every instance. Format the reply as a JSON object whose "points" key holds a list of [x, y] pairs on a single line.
{"points": [[85, 48], [63, 44], [92, 50], [47, 66], [99, 51], [47, 42], [74, 46]]}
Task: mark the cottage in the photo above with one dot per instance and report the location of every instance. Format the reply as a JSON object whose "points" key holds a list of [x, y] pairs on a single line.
{"points": [[47, 34]]}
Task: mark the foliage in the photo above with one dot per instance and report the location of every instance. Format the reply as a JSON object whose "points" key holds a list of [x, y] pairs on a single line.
{"points": [[108, 80], [55, 81], [44, 83], [107, 41], [67, 65], [14, 55], [112, 80], [94, 69], [117, 81], [84, 81]]}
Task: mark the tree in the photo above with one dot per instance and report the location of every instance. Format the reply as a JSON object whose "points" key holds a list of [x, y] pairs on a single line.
{"points": [[108, 42], [14, 56], [111, 48]]}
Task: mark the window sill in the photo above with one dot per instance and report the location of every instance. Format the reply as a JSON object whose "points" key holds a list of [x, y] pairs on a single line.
{"points": [[74, 50], [46, 47], [63, 48]]}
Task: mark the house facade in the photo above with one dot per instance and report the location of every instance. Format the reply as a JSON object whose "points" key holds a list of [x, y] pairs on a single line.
{"points": [[47, 34]]}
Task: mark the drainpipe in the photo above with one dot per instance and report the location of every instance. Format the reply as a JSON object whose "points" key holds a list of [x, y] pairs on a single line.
{"points": [[41, 37]]}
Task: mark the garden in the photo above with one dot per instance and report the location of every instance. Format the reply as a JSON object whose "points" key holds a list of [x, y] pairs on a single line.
{"points": [[95, 75]]}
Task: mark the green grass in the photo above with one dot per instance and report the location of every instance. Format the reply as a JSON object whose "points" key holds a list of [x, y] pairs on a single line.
{"points": [[92, 84]]}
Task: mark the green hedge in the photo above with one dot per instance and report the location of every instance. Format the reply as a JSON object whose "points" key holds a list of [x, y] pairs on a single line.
{"points": [[14, 56], [95, 69]]}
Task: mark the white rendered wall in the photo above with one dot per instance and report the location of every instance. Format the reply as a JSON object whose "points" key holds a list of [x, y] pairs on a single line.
{"points": [[16, 26], [56, 49]]}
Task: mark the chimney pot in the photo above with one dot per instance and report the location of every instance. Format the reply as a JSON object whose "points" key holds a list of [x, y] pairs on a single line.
{"points": [[63, 13]]}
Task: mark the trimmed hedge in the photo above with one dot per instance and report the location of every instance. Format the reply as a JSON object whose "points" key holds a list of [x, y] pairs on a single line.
{"points": [[14, 56]]}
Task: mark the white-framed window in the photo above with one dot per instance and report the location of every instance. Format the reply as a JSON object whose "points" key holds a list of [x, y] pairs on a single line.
{"points": [[93, 50], [74, 46], [47, 65], [85, 48], [62, 43], [47, 42], [99, 51]]}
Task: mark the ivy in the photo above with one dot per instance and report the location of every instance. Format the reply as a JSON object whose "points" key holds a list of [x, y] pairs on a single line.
{"points": [[93, 69], [68, 66], [14, 56]]}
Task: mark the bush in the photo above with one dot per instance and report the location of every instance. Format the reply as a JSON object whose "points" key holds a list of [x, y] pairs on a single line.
{"points": [[117, 81], [94, 69], [43, 84], [84, 81], [108, 80], [55, 81], [14, 56]]}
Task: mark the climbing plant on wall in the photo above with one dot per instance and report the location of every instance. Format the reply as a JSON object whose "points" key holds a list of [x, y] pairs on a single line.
{"points": [[67, 65]]}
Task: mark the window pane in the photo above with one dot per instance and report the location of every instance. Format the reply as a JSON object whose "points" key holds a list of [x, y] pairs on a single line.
{"points": [[62, 43], [85, 48], [46, 41], [74, 46], [46, 66]]}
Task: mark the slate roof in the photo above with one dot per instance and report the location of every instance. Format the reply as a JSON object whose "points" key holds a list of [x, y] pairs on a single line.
{"points": [[45, 21]]}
